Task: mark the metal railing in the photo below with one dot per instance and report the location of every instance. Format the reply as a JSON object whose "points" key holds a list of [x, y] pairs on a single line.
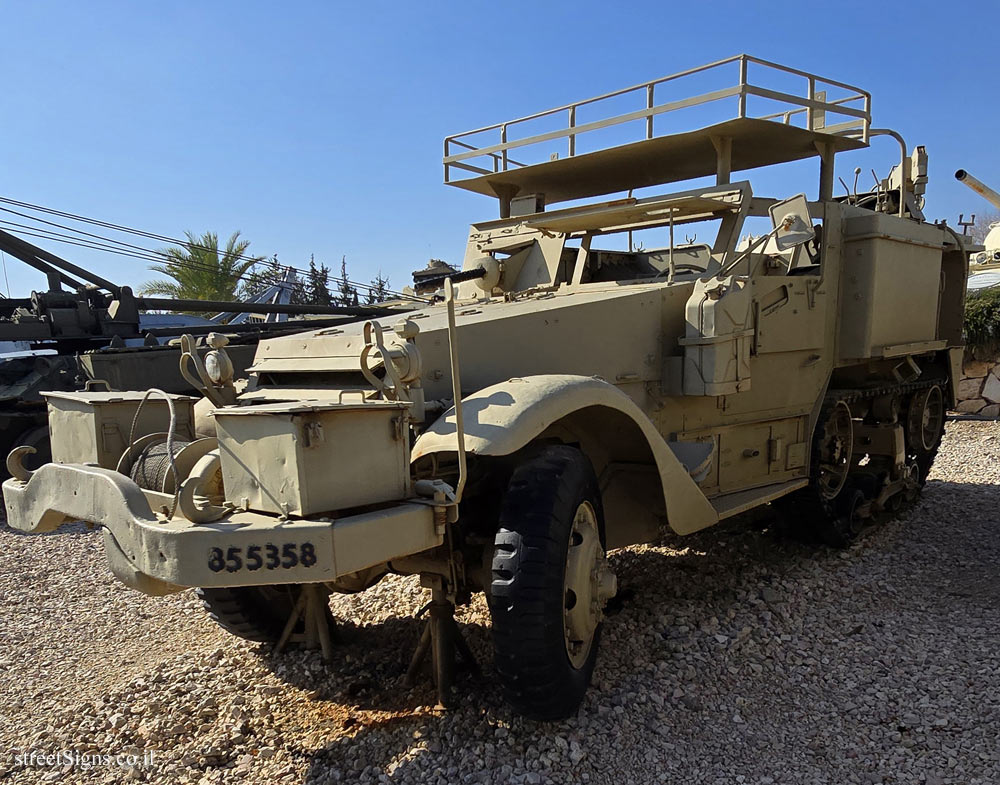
{"points": [[494, 156]]}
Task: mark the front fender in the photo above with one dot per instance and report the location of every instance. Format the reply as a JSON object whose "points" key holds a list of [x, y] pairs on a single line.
{"points": [[503, 418]]}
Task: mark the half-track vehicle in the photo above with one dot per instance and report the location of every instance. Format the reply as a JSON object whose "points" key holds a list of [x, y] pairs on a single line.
{"points": [[587, 379]]}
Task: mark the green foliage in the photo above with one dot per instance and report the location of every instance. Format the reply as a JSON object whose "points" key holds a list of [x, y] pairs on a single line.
{"points": [[259, 278], [379, 291], [348, 294], [982, 321], [200, 271], [318, 286]]}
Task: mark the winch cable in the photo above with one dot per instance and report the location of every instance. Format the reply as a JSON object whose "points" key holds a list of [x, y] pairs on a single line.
{"points": [[170, 443]]}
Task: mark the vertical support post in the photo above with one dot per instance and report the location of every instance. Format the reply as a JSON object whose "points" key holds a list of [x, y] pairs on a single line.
{"points": [[826, 156], [649, 105], [743, 85], [581, 258], [442, 623], [671, 267], [723, 159], [503, 141], [572, 137], [810, 112], [868, 118]]}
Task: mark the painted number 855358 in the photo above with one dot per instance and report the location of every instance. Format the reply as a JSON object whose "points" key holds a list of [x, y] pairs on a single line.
{"points": [[268, 557]]}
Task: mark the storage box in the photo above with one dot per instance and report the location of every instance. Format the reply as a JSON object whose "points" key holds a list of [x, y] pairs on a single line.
{"points": [[891, 284], [314, 457], [93, 427]]}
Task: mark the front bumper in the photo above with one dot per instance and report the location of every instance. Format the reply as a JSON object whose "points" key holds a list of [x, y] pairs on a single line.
{"points": [[158, 556]]}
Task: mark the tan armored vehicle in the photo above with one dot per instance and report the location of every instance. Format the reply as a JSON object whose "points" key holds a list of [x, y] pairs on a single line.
{"points": [[612, 379]]}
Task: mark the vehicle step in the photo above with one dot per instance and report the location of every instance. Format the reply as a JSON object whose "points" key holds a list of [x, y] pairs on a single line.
{"points": [[730, 504]]}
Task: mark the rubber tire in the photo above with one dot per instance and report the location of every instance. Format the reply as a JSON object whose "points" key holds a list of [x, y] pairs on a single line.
{"points": [[254, 613], [38, 437], [33, 435], [529, 566]]}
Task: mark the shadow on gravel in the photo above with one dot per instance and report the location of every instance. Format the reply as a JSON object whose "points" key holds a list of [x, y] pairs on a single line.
{"points": [[363, 687], [711, 574], [369, 664]]}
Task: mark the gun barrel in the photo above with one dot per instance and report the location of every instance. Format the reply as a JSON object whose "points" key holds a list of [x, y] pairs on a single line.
{"points": [[982, 189]]}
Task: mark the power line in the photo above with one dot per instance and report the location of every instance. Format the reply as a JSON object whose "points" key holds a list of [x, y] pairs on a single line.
{"points": [[117, 227], [3, 257], [153, 235]]}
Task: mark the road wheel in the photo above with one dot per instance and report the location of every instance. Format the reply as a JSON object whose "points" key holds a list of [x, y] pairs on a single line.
{"points": [[841, 530], [833, 450], [254, 613], [817, 511], [924, 428], [550, 582]]}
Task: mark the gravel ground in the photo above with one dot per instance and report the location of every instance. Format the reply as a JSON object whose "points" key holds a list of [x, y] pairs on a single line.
{"points": [[738, 656]]}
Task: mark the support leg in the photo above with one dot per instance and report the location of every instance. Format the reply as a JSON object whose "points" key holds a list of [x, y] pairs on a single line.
{"points": [[442, 623], [418, 656], [441, 638], [311, 608]]}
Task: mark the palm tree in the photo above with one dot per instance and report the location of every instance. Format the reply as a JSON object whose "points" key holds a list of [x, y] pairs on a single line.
{"points": [[200, 271]]}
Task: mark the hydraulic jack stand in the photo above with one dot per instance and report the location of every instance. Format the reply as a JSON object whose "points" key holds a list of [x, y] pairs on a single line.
{"points": [[312, 608], [442, 637]]}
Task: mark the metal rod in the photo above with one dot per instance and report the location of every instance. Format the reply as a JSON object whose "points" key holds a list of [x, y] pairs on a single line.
{"points": [[215, 306], [418, 655], [443, 629], [743, 83], [572, 137], [322, 624], [902, 163], [810, 111], [293, 617], [672, 269], [63, 265], [29, 254], [456, 389], [269, 328], [639, 114], [649, 105]]}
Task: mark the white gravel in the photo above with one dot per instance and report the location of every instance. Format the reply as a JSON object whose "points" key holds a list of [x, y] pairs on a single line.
{"points": [[740, 657]]}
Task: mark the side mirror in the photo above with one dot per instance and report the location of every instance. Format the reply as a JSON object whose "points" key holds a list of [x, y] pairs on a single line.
{"points": [[792, 222]]}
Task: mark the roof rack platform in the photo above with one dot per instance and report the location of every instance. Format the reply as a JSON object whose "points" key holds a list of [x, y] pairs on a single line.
{"points": [[483, 160]]}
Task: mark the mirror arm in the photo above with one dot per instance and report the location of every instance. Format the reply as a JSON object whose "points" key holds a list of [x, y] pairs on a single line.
{"points": [[753, 246]]}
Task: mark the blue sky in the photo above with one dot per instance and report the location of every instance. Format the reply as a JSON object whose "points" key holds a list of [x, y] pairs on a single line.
{"points": [[317, 127]]}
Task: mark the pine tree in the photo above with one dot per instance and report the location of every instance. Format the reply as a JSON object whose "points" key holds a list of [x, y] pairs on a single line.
{"points": [[256, 281], [348, 294], [300, 292], [379, 291], [318, 289]]}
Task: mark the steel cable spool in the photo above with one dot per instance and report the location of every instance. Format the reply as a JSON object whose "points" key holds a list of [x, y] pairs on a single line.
{"points": [[151, 467]]}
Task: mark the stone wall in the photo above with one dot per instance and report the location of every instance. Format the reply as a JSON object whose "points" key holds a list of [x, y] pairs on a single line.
{"points": [[979, 390]]}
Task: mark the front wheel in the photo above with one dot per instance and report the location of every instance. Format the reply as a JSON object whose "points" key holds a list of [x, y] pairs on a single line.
{"points": [[550, 581], [254, 613]]}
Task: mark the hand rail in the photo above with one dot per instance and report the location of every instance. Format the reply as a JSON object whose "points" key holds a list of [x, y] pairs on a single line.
{"points": [[812, 103]]}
